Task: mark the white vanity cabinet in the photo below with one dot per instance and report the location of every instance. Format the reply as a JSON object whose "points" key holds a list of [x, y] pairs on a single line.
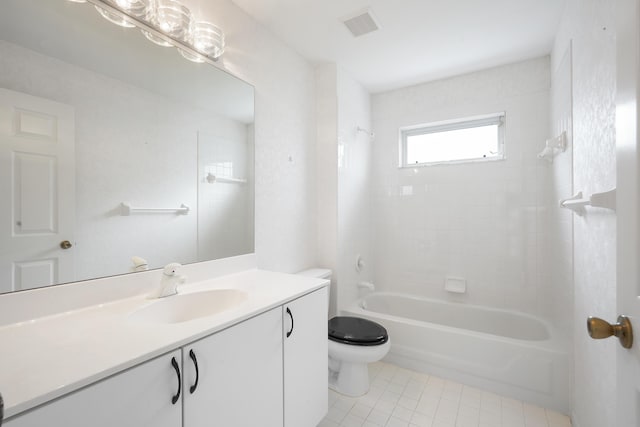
{"points": [[140, 396], [305, 360], [238, 381], [269, 371], [242, 370]]}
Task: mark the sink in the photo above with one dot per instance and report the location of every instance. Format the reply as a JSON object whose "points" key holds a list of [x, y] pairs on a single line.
{"points": [[184, 307]]}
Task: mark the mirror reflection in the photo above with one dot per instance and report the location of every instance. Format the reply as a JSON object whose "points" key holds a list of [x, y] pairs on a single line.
{"points": [[116, 155]]}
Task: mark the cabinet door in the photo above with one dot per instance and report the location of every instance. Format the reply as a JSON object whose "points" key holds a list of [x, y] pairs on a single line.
{"points": [[138, 397], [239, 378], [305, 360]]}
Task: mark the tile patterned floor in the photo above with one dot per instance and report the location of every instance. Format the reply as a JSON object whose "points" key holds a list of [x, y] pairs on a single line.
{"points": [[403, 398]]}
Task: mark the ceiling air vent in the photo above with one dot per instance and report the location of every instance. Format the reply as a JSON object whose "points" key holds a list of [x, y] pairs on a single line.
{"points": [[361, 23]]}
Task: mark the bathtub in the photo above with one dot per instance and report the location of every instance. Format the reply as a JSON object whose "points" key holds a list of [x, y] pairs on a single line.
{"points": [[506, 352]]}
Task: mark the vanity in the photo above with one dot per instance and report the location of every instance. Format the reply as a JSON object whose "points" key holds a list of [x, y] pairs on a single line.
{"points": [[258, 357]]}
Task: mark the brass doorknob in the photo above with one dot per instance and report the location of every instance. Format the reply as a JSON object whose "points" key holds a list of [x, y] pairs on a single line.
{"points": [[65, 244], [599, 329]]}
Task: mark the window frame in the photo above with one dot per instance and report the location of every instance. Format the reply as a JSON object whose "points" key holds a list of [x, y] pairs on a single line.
{"points": [[450, 125]]}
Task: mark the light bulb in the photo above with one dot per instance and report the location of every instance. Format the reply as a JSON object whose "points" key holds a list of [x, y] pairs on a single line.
{"points": [[207, 39], [141, 9], [125, 4], [114, 18], [173, 19]]}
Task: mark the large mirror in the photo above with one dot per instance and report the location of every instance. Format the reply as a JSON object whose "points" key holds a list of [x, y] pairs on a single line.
{"points": [[116, 155]]}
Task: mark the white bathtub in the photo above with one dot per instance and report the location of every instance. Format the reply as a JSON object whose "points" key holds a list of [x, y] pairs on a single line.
{"points": [[506, 352]]}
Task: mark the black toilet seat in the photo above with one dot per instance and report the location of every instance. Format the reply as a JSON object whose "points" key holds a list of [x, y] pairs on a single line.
{"points": [[356, 331]]}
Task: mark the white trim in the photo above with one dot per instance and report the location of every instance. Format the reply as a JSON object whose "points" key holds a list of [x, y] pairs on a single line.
{"points": [[627, 362]]}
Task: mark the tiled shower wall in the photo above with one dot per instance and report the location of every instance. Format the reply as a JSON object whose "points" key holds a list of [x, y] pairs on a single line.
{"points": [[479, 221], [354, 187], [344, 181], [588, 26], [556, 247]]}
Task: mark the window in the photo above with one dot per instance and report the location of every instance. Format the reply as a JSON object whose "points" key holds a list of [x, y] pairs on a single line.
{"points": [[466, 140]]}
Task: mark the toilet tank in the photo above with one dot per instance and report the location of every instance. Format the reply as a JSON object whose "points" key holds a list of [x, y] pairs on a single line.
{"points": [[319, 273]]}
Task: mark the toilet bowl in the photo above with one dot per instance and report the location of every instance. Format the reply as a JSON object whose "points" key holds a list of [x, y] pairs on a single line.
{"points": [[353, 344]]}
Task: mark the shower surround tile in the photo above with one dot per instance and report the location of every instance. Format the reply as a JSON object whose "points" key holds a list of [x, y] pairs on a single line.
{"points": [[473, 220]]}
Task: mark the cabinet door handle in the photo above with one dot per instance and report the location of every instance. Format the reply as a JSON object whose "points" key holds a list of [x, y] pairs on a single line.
{"points": [[192, 355], [291, 316], [174, 363]]}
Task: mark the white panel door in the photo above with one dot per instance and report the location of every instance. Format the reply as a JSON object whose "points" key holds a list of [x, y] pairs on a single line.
{"points": [[37, 189], [144, 396], [238, 381], [628, 207], [306, 356]]}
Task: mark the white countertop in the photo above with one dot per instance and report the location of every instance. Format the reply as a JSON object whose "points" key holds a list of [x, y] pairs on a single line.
{"points": [[47, 357]]}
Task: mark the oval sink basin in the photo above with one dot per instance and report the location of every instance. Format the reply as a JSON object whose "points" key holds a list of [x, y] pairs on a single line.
{"points": [[184, 307]]}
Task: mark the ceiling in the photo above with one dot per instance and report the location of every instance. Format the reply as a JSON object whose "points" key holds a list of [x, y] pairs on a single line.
{"points": [[418, 40]]}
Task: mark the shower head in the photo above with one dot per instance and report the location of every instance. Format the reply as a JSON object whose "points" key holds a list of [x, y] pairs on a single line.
{"points": [[371, 134]]}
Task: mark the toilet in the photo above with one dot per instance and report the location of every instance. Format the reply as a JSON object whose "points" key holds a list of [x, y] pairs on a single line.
{"points": [[353, 343]]}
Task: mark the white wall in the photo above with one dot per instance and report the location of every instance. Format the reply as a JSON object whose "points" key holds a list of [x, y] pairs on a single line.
{"points": [[589, 26], [284, 135], [556, 245], [354, 187], [344, 181], [475, 220], [327, 173]]}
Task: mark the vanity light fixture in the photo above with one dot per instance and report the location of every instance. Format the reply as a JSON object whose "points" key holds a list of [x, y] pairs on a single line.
{"points": [[206, 38], [166, 23], [115, 18], [172, 19], [141, 9]]}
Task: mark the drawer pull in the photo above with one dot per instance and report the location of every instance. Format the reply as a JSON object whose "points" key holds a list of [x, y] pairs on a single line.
{"points": [[175, 398], [192, 355], [291, 316]]}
